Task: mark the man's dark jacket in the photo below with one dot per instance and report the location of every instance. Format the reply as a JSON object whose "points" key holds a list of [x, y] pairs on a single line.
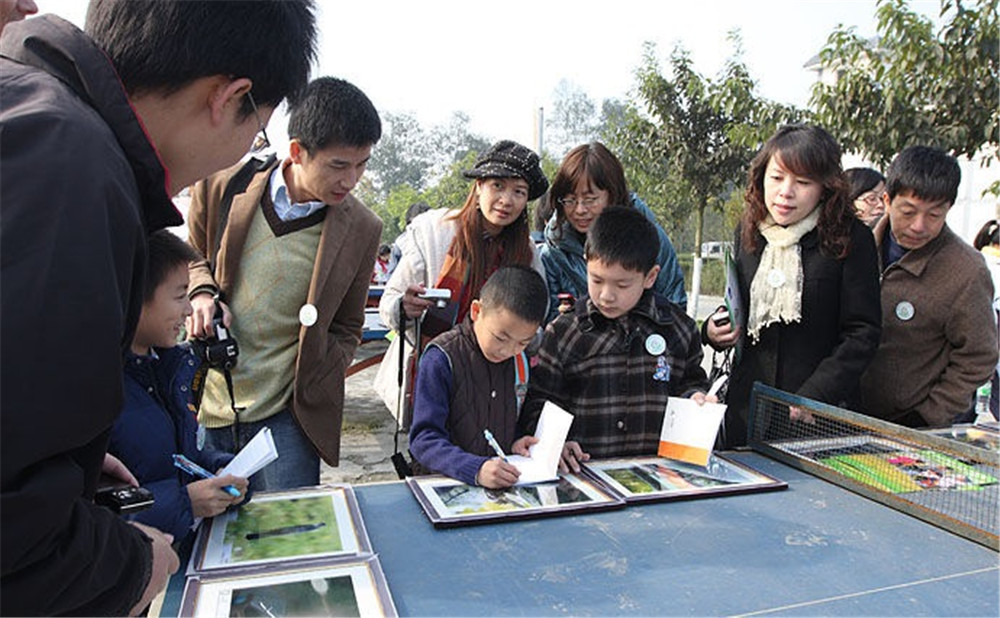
{"points": [[81, 185]]}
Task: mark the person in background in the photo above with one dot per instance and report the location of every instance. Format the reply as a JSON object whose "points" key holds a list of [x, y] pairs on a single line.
{"points": [[987, 241], [158, 419], [15, 10], [457, 394], [808, 280], [939, 340], [416, 208], [865, 189], [589, 180], [621, 353], [294, 265], [380, 272], [98, 131]]}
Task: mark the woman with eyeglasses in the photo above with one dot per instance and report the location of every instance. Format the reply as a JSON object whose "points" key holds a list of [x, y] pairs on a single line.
{"points": [[866, 187], [590, 179]]}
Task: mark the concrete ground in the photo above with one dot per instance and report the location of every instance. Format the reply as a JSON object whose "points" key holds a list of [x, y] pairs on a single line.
{"points": [[366, 444]]}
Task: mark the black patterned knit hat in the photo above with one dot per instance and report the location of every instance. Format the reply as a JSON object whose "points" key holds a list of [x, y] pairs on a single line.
{"points": [[507, 159]]}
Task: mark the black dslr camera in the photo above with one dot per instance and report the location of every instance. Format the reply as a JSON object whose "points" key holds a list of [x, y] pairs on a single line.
{"points": [[219, 350]]}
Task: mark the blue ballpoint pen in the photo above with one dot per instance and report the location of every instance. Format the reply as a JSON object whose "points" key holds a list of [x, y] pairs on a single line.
{"points": [[493, 443], [185, 464]]}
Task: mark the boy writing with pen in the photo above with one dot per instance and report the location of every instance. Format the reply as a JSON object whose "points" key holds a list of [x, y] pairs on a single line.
{"points": [[620, 354], [158, 419], [467, 394]]}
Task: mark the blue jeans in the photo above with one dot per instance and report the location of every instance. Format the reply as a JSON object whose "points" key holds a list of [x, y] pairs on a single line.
{"points": [[297, 464]]}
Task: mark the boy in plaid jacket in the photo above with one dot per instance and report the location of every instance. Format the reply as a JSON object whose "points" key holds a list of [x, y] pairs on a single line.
{"points": [[621, 353]]}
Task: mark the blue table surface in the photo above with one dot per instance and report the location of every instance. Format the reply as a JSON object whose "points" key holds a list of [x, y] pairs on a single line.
{"points": [[813, 549]]}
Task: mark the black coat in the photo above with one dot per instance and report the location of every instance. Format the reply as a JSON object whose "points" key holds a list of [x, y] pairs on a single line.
{"points": [[823, 356], [81, 185]]}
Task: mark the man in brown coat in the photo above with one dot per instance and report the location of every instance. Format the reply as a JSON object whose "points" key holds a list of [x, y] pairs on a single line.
{"points": [[292, 261], [938, 333]]}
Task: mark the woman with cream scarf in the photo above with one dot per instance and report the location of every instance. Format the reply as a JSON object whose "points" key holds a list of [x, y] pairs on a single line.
{"points": [[808, 281]]}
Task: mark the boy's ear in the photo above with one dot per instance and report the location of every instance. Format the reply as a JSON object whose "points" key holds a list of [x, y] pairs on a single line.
{"points": [[651, 276], [475, 309]]}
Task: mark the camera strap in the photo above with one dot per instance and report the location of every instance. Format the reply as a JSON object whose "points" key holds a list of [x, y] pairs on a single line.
{"points": [[236, 411], [403, 468], [237, 184]]}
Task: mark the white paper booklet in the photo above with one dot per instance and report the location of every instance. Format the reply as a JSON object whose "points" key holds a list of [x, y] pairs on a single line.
{"points": [[255, 455], [542, 464]]}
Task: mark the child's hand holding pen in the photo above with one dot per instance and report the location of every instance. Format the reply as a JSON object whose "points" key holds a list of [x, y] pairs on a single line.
{"points": [[496, 473], [209, 497]]}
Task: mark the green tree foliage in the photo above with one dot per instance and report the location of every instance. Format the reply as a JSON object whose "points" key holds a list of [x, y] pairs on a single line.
{"points": [[687, 145], [914, 85], [572, 120]]}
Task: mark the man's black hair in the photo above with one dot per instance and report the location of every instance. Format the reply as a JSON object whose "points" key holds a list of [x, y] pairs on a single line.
{"points": [[333, 112], [416, 208], [163, 45], [928, 173], [518, 289], [623, 235], [165, 252]]}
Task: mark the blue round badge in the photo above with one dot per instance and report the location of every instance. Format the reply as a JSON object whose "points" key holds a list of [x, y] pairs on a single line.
{"points": [[656, 344]]}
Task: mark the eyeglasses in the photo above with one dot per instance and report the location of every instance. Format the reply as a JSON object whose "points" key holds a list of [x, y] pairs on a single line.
{"points": [[260, 142], [871, 198], [571, 202]]}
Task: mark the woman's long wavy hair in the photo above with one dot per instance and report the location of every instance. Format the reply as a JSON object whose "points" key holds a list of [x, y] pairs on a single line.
{"points": [[805, 150], [468, 244]]}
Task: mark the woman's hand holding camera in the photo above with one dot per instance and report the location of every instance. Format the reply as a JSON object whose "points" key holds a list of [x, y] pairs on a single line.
{"points": [[720, 331], [413, 305]]}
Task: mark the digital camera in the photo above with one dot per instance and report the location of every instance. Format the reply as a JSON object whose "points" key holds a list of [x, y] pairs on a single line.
{"points": [[220, 349]]}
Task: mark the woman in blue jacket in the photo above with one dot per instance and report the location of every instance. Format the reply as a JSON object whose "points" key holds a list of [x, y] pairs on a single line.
{"points": [[158, 418], [590, 179]]}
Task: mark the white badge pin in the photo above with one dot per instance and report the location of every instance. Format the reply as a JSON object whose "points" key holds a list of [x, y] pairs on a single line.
{"points": [[308, 314], [776, 278], [656, 344], [904, 310]]}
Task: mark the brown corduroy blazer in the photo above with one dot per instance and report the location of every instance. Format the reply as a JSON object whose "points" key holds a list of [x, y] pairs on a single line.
{"points": [[338, 289]]}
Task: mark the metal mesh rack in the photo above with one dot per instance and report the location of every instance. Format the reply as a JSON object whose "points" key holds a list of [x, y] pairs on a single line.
{"points": [[949, 483]]}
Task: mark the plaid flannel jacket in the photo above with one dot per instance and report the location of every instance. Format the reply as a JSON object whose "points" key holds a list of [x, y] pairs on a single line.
{"points": [[611, 376]]}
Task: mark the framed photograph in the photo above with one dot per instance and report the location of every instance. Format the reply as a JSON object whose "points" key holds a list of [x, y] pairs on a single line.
{"points": [[892, 466], [345, 589], [640, 479], [448, 502], [277, 527], [980, 437]]}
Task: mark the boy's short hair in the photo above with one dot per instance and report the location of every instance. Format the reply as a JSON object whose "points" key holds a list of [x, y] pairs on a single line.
{"points": [[333, 112], [518, 289], [928, 173], [166, 44], [165, 252], [623, 235]]}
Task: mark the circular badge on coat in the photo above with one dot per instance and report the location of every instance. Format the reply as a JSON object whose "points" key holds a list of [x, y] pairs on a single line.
{"points": [[656, 344], [776, 278], [904, 310], [308, 314]]}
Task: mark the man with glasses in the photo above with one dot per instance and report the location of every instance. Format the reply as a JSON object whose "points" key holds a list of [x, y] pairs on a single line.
{"points": [[289, 267], [98, 131]]}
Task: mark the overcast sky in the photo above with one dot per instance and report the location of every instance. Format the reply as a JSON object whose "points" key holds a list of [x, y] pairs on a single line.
{"points": [[500, 61]]}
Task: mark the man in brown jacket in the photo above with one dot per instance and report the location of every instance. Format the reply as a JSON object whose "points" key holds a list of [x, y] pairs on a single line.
{"points": [[292, 261], [938, 333]]}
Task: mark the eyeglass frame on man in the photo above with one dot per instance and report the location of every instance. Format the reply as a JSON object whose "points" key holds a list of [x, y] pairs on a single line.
{"points": [[572, 202], [261, 141]]}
